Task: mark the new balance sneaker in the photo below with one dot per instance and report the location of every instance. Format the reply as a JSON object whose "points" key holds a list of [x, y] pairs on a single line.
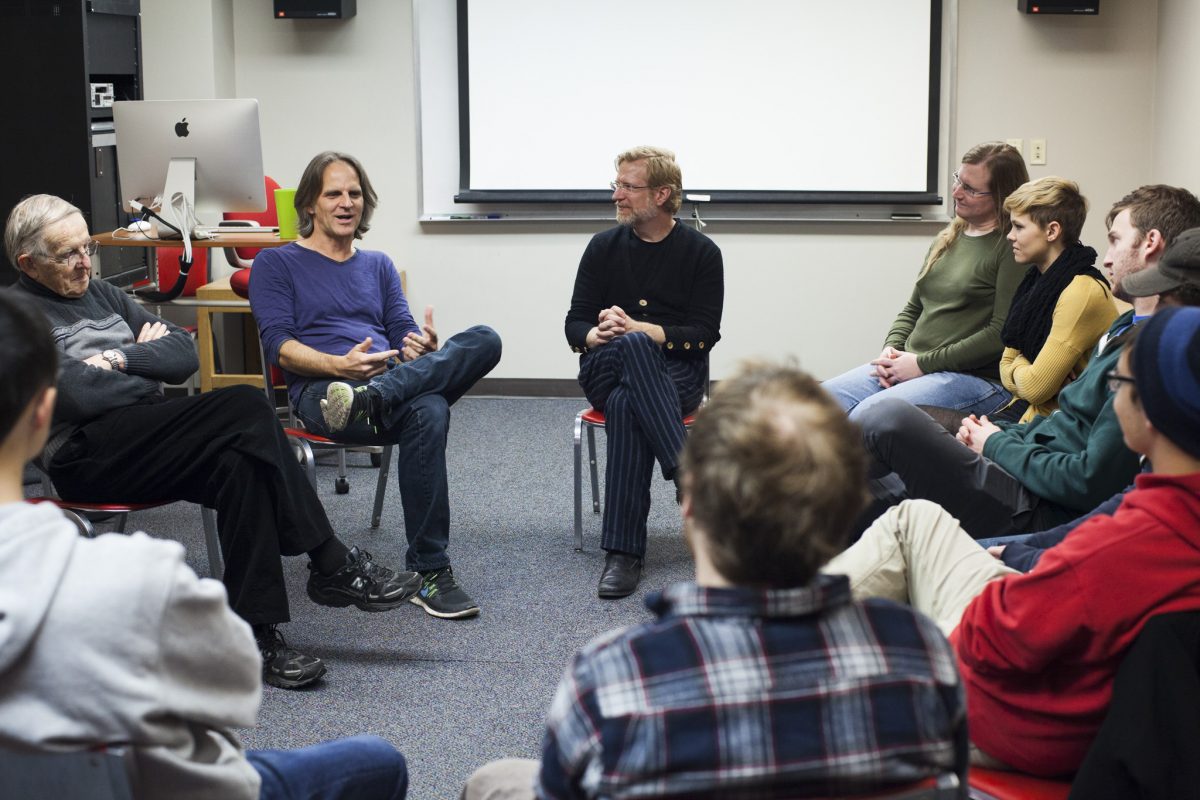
{"points": [[442, 596], [344, 404], [362, 583], [283, 666]]}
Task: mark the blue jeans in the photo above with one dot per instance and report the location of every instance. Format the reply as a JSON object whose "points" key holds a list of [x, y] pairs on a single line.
{"points": [[416, 399], [358, 768], [858, 390]]}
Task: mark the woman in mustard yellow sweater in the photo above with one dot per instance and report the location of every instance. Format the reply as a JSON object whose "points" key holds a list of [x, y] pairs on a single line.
{"points": [[1062, 306]]}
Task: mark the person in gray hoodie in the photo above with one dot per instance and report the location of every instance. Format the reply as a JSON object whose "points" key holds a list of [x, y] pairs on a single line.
{"points": [[114, 641]]}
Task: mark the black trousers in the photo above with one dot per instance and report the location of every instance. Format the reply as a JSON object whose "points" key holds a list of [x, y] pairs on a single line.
{"points": [[224, 449], [644, 396]]}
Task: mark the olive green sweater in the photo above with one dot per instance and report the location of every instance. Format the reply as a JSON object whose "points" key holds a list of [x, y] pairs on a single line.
{"points": [[953, 319]]}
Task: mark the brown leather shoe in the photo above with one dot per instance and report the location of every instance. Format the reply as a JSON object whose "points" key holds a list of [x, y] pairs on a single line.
{"points": [[621, 574]]}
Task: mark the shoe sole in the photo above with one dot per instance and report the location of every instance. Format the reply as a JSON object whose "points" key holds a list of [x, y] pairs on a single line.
{"points": [[417, 600], [335, 408], [610, 594], [284, 683], [341, 601]]}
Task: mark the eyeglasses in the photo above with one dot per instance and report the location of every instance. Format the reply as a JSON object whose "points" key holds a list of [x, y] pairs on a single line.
{"points": [[626, 187], [970, 191], [73, 258], [1115, 380]]}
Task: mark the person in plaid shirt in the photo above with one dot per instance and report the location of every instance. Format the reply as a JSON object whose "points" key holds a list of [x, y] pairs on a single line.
{"points": [[763, 678]]}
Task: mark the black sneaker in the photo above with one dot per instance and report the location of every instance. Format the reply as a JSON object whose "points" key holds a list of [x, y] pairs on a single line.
{"points": [[283, 666], [442, 596], [344, 404], [362, 583]]}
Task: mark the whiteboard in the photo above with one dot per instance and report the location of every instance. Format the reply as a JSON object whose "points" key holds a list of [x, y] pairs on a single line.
{"points": [[833, 109]]}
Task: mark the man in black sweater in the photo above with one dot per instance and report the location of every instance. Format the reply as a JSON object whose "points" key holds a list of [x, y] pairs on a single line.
{"points": [[644, 314]]}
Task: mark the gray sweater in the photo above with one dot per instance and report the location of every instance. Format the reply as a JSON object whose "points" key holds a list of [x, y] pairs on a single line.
{"points": [[104, 318]]}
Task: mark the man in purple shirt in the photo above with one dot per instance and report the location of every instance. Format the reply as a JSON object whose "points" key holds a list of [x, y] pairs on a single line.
{"points": [[359, 369]]}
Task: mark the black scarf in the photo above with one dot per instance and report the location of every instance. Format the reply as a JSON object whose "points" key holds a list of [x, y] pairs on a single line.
{"points": [[1032, 310]]}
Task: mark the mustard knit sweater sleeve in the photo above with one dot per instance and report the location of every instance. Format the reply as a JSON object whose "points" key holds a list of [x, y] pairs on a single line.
{"points": [[1084, 311]]}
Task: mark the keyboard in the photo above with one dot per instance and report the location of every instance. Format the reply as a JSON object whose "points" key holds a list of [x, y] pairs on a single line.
{"points": [[213, 230]]}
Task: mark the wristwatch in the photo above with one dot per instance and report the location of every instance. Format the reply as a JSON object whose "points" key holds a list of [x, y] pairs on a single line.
{"points": [[115, 359]]}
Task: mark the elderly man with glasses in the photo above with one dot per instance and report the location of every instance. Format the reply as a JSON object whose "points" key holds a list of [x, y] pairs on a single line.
{"points": [[645, 312], [115, 438]]}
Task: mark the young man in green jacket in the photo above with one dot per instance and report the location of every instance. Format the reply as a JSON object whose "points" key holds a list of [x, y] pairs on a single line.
{"points": [[1010, 478]]}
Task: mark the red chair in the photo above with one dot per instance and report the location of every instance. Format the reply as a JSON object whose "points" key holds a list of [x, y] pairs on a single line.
{"points": [[994, 784], [243, 257], [306, 441], [85, 515], [591, 419]]}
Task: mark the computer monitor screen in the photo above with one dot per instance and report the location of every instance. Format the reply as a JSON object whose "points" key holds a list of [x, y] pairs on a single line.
{"points": [[201, 157]]}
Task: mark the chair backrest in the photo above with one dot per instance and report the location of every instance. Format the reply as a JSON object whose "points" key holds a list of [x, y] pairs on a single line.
{"points": [[242, 257], [168, 269], [80, 775]]}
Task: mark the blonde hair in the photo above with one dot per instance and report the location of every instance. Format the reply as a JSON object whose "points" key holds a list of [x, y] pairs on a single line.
{"points": [[1006, 171], [1051, 199], [661, 170]]}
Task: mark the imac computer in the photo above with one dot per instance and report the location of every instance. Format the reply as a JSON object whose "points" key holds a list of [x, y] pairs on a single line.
{"points": [[189, 160]]}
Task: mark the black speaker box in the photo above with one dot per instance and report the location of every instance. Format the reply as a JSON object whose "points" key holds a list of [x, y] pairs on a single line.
{"points": [[315, 9], [1056, 6]]}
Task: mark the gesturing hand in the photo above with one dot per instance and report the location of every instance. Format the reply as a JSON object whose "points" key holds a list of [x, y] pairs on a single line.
{"points": [[415, 345], [358, 364]]}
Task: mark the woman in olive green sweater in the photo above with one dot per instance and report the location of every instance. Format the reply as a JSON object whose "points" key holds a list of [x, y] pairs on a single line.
{"points": [[1062, 306], [944, 347]]}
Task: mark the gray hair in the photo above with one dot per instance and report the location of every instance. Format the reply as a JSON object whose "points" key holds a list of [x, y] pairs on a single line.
{"points": [[29, 220]]}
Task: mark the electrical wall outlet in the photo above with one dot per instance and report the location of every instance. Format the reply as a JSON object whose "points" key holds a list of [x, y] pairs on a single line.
{"points": [[1037, 152], [1017, 143]]}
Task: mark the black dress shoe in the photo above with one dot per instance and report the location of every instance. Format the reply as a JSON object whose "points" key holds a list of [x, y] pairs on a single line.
{"points": [[620, 576]]}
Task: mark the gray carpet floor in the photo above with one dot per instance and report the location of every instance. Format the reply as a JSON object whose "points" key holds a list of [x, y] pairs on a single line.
{"points": [[452, 695]]}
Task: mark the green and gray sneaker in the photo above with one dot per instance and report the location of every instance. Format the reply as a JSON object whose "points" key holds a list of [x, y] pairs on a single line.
{"points": [[442, 596], [344, 404]]}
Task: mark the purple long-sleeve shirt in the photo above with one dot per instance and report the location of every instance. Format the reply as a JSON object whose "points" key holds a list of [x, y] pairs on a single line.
{"points": [[328, 305]]}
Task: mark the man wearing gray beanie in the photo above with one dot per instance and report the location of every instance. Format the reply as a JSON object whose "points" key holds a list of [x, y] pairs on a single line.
{"points": [[1038, 651]]}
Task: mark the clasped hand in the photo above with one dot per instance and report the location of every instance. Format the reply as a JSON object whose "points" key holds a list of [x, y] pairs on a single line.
{"points": [[613, 322], [975, 431], [895, 366]]}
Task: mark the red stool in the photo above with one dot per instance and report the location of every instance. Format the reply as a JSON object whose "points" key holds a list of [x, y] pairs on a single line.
{"points": [[994, 784]]}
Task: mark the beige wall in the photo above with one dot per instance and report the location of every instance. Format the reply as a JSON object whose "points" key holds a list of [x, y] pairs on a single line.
{"points": [[824, 293], [1177, 95]]}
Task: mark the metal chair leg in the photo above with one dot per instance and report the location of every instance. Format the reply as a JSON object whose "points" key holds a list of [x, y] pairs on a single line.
{"points": [[385, 466], [578, 460], [595, 477], [212, 542], [86, 529]]}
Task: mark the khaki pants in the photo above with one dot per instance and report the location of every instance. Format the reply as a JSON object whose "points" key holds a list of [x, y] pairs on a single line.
{"points": [[506, 779], [916, 553]]}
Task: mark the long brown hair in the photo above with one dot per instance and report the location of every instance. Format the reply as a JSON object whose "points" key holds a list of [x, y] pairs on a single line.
{"points": [[1006, 171]]}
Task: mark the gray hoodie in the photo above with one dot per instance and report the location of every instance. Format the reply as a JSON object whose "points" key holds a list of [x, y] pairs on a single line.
{"points": [[114, 640]]}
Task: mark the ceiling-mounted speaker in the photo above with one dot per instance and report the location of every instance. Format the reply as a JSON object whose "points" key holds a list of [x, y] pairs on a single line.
{"points": [[1058, 6], [315, 9]]}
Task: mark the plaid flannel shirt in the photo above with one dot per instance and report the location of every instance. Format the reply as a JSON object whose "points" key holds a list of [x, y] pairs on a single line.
{"points": [[742, 693]]}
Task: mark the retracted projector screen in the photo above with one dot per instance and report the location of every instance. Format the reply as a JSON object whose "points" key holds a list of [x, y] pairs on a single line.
{"points": [[763, 101]]}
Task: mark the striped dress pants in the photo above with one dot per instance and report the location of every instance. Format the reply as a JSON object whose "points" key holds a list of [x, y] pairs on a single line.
{"points": [[644, 396]]}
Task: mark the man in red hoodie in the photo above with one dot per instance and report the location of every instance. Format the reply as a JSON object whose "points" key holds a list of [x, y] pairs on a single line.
{"points": [[1038, 651]]}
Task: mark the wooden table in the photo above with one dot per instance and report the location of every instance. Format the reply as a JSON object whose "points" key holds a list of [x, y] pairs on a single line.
{"points": [[218, 298], [220, 240]]}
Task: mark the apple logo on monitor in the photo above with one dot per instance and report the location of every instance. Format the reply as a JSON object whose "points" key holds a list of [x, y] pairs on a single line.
{"points": [[181, 128]]}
